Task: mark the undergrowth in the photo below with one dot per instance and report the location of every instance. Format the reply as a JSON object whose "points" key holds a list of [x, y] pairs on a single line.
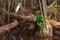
{"points": [[39, 20]]}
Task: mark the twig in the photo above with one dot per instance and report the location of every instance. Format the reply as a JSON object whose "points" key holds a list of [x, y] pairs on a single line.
{"points": [[52, 4]]}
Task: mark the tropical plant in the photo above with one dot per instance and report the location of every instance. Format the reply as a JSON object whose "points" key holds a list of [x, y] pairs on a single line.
{"points": [[39, 20]]}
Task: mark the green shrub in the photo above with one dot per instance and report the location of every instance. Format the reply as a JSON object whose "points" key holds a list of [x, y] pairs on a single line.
{"points": [[39, 20]]}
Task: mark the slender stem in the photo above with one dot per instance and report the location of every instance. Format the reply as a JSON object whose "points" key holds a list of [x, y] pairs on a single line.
{"points": [[40, 6], [56, 12], [8, 10]]}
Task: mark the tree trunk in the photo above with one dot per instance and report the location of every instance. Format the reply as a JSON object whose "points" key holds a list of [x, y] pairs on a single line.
{"points": [[47, 31]]}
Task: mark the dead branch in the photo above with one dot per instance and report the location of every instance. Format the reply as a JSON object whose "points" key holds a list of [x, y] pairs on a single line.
{"points": [[8, 26], [26, 18], [54, 22], [52, 4]]}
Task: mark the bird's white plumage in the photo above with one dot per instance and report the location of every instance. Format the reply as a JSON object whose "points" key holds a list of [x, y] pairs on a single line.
{"points": [[17, 8]]}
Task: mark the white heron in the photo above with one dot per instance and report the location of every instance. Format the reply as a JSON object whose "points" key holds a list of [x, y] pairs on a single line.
{"points": [[18, 7]]}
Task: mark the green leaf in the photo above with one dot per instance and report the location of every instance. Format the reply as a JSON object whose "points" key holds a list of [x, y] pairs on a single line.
{"points": [[39, 20]]}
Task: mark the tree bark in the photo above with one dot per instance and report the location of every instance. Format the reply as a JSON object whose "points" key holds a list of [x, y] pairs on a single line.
{"points": [[47, 31]]}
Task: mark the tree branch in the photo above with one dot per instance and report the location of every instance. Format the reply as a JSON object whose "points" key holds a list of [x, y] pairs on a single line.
{"points": [[26, 18], [55, 24], [8, 26], [52, 4]]}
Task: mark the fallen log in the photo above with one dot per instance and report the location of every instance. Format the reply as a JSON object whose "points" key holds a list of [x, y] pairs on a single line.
{"points": [[8, 26], [26, 18], [31, 17]]}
